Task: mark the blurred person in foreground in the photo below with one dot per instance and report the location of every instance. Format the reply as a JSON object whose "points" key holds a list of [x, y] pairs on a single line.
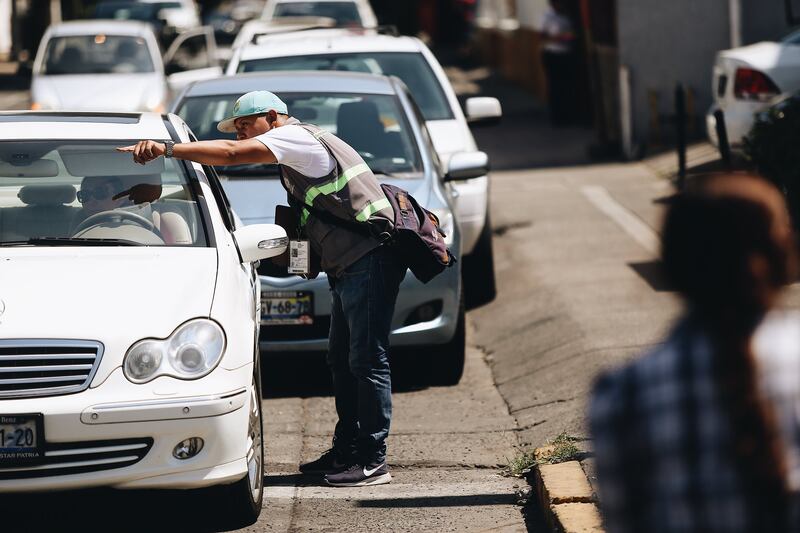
{"points": [[701, 434]]}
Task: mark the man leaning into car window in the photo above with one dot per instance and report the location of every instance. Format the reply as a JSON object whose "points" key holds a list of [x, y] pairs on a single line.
{"points": [[324, 175]]}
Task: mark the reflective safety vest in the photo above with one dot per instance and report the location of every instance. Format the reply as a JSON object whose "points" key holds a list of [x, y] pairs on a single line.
{"points": [[351, 192]]}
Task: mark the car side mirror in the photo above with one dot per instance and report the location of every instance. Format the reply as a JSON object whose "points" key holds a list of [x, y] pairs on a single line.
{"points": [[483, 111], [467, 165], [260, 241]]}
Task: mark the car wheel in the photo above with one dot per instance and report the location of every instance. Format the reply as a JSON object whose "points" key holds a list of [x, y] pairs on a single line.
{"points": [[447, 360], [243, 499], [478, 270]]}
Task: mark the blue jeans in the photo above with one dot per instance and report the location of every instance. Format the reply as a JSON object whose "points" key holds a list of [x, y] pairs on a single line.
{"points": [[363, 300]]}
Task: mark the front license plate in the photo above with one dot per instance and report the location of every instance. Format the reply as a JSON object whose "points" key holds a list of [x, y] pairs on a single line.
{"points": [[21, 439], [287, 307]]}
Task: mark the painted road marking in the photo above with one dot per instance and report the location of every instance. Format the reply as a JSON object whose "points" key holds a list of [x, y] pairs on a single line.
{"points": [[494, 484], [630, 223]]}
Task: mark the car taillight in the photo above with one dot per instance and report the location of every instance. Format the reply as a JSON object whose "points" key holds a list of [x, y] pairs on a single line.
{"points": [[753, 85]]}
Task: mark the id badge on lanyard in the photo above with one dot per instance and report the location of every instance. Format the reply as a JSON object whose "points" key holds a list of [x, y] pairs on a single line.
{"points": [[299, 257]]}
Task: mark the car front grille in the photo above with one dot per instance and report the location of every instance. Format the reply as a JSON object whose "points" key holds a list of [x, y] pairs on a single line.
{"points": [[64, 459], [31, 368]]}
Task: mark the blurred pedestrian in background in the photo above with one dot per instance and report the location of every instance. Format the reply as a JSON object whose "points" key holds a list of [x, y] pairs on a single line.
{"points": [[558, 57], [702, 434]]}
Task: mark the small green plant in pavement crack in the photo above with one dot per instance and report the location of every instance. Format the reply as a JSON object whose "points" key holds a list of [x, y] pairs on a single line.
{"points": [[559, 450]]}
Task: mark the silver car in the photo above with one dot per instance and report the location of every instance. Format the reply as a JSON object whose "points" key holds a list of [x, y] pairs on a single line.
{"points": [[378, 117]]}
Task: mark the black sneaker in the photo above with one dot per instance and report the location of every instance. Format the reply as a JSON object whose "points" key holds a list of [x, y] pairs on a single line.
{"points": [[360, 476], [328, 463]]}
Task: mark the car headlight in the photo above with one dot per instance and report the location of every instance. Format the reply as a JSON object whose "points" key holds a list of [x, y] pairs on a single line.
{"points": [[192, 351], [446, 223]]}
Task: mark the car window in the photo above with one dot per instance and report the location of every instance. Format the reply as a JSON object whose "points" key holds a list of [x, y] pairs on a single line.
{"points": [[344, 13], [192, 54], [85, 190], [97, 54], [411, 67], [374, 125], [792, 38], [145, 11]]}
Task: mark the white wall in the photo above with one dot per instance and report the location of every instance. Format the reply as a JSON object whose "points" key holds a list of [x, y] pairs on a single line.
{"points": [[663, 43], [5, 28]]}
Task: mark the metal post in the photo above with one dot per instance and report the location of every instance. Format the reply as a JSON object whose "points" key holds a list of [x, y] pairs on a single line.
{"points": [[722, 139], [680, 124]]}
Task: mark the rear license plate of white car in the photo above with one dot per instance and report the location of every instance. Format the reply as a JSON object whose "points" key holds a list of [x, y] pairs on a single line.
{"points": [[21, 439], [280, 308]]}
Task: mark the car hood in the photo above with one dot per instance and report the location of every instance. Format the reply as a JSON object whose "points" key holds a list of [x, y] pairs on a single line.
{"points": [[113, 295], [254, 199], [449, 137], [100, 92]]}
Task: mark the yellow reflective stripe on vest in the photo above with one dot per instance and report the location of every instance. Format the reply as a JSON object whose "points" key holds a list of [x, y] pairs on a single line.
{"points": [[371, 209], [304, 217], [336, 185]]}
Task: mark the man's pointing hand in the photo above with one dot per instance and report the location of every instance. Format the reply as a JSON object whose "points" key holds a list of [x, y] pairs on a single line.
{"points": [[144, 151]]}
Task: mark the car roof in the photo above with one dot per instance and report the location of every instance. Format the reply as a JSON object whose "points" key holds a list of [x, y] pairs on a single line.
{"points": [[44, 125], [105, 26], [328, 41], [295, 81]]}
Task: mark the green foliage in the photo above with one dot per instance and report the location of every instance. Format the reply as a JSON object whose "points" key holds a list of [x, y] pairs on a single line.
{"points": [[559, 450]]}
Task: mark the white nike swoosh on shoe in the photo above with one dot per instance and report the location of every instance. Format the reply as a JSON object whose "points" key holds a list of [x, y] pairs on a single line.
{"points": [[368, 473]]}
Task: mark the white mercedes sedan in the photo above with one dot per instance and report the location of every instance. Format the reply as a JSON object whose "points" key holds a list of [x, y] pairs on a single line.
{"points": [[129, 315]]}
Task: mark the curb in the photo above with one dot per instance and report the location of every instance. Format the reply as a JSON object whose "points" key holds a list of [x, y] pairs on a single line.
{"points": [[565, 497]]}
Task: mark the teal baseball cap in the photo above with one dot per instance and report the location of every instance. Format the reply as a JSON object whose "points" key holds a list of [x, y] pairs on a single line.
{"points": [[252, 103]]}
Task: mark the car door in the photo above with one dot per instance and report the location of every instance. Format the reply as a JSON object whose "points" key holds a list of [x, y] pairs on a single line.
{"points": [[191, 57]]}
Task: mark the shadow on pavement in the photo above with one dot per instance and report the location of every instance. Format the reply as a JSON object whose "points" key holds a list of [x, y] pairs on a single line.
{"points": [[105, 510], [524, 139], [470, 500], [305, 374]]}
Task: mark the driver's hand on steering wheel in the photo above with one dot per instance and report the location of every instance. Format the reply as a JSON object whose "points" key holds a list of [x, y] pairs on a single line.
{"points": [[144, 151]]}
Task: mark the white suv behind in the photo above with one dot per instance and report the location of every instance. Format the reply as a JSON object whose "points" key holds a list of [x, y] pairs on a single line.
{"points": [[409, 59]]}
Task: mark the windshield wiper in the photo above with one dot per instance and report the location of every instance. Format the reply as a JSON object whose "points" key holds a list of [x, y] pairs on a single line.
{"points": [[250, 169], [382, 172], [70, 241]]}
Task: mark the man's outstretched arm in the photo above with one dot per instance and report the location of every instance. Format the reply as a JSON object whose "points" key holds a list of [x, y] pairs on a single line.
{"points": [[218, 152]]}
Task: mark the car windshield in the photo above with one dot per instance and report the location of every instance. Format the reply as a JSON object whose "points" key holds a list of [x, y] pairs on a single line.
{"points": [[145, 11], [87, 193], [792, 38], [97, 54], [344, 13], [411, 67], [374, 125]]}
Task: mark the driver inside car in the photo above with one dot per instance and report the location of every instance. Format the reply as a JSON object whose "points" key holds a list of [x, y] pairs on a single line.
{"points": [[100, 193]]}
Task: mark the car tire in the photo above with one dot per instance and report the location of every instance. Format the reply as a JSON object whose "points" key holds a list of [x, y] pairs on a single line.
{"points": [[478, 270], [242, 501], [447, 360]]}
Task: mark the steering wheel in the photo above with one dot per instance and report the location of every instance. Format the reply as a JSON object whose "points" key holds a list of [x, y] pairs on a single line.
{"points": [[115, 215]]}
